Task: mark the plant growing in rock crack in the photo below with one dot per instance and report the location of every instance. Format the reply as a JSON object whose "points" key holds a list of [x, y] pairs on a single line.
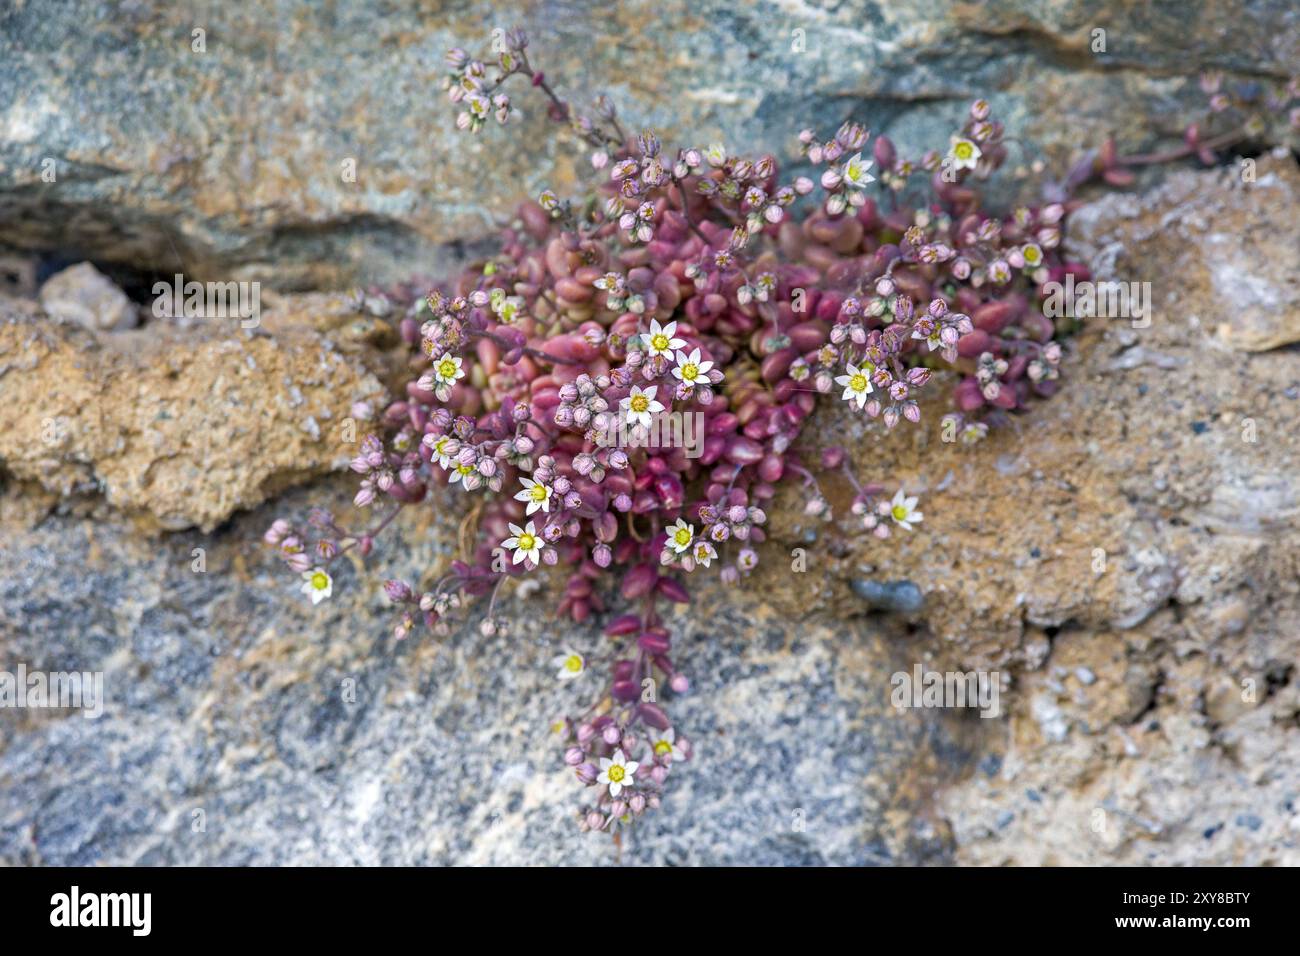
{"points": [[692, 282]]}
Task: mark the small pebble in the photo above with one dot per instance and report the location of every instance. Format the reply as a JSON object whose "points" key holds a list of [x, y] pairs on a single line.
{"points": [[901, 597]]}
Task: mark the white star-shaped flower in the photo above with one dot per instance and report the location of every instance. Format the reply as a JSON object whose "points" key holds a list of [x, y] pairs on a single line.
{"points": [[963, 153], [447, 369], [680, 536], [857, 384], [318, 584], [660, 341], [856, 173], [570, 665], [526, 544], [663, 744], [536, 494], [690, 369], [640, 405], [617, 772], [903, 510]]}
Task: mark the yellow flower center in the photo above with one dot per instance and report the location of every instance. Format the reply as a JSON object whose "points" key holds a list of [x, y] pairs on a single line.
{"points": [[1032, 255], [526, 542], [682, 536], [464, 469], [447, 368], [690, 372], [320, 581], [663, 747], [963, 150], [899, 512], [858, 383], [659, 342], [639, 403], [573, 663], [537, 493], [616, 774]]}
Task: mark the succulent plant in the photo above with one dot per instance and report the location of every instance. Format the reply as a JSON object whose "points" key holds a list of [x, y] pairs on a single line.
{"points": [[624, 385]]}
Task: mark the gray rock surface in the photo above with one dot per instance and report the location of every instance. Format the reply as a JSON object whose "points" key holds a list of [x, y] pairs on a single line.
{"points": [[224, 159], [226, 706]]}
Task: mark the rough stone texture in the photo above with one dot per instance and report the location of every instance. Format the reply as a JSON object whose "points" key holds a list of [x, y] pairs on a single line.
{"points": [[1159, 691], [228, 163], [84, 295], [226, 695], [1160, 686], [1146, 453], [178, 429], [1176, 742]]}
